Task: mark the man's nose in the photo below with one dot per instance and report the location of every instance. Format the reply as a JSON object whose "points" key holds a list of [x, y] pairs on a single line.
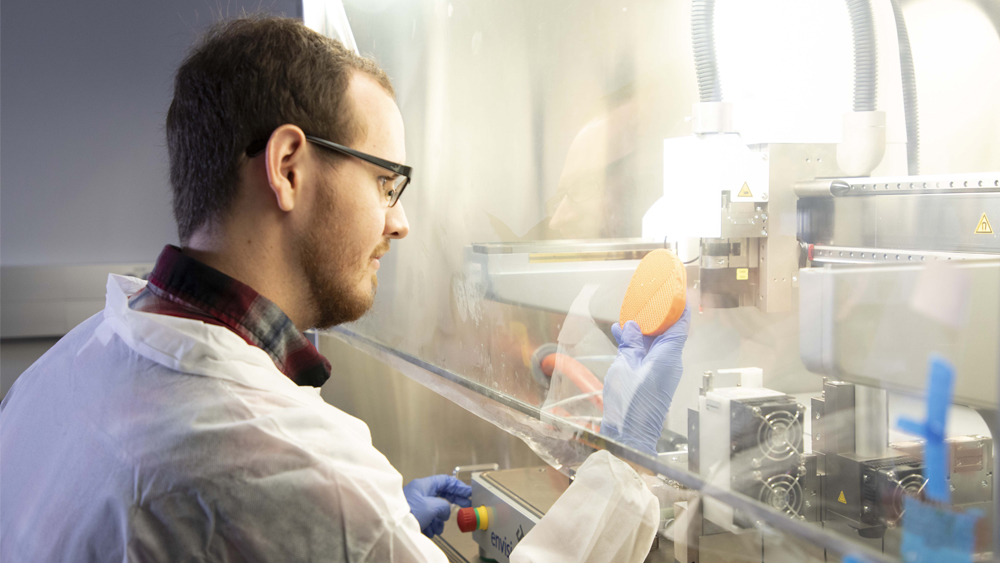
{"points": [[396, 225]]}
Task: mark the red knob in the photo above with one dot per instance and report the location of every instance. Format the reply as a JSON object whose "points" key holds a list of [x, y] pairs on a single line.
{"points": [[467, 521]]}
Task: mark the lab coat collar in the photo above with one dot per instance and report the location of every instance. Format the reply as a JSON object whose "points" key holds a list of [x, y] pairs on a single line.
{"points": [[187, 345]]}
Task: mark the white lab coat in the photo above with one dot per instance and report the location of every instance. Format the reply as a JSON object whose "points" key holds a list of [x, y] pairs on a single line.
{"points": [[142, 437]]}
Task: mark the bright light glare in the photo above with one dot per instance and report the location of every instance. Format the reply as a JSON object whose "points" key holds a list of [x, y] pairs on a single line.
{"points": [[787, 65]]}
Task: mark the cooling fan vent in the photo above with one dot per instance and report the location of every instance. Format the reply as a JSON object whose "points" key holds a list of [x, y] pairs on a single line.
{"points": [[778, 435], [782, 492], [911, 485]]}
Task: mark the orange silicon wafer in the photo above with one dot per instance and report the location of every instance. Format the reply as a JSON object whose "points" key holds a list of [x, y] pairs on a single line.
{"points": [[657, 293]]}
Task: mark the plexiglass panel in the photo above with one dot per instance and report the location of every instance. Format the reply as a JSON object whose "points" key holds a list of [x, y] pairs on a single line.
{"points": [[556, 144]]}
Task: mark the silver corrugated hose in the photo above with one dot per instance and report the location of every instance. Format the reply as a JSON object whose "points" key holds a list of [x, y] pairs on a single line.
{"points": [[703, 40], [865, 55], [909, 91]]}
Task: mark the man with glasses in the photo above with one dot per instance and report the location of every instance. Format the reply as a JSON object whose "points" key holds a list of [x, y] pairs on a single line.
{"points": [[184, 422]]}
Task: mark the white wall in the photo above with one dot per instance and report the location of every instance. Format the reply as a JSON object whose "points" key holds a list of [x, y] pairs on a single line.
{"points": [[84, 91], [84, 88]]}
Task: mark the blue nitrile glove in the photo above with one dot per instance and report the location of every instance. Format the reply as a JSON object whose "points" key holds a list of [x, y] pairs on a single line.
{"points": [[641, 382], [430, 500]]}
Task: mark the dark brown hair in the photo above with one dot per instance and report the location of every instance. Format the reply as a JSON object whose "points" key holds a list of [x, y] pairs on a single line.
{"points": [[245, 78]]}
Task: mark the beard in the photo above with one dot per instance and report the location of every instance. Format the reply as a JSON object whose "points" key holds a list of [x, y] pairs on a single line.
{"points": [[338, 292]]}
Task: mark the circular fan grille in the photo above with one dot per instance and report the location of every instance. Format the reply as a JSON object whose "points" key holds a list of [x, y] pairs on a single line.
{"points": [[778, 435], [783, 493], [911, 485]]}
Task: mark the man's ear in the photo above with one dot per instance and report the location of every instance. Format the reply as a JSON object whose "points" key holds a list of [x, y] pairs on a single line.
{"points": [[286, 160]]}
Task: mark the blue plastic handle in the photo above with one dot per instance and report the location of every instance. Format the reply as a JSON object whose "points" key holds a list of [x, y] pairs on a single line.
{"points": [[940, 385]]}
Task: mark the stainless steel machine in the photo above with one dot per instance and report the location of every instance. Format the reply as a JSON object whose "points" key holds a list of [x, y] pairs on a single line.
{"points": [[827, 458]]}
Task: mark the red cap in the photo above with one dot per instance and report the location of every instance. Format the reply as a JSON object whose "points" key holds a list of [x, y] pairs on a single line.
{"points": [[467, 521]]}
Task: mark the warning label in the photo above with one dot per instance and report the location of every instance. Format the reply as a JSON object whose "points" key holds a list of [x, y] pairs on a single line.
{"points": [[842, 498], [744, 191], [983, 227]]}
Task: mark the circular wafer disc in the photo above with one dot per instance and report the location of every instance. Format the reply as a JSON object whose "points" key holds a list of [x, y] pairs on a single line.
{"points": [[657, 293]]}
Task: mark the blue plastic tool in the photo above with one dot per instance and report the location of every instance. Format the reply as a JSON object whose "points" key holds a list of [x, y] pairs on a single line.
{"points": [[932, 532], [935, 534], [941, 381]]}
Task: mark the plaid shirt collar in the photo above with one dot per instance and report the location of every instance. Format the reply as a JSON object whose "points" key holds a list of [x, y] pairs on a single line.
{"points": [[181, 286]]}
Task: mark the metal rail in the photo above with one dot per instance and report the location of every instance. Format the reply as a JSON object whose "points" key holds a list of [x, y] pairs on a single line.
{"points": [[900, 185], [858, 255]]}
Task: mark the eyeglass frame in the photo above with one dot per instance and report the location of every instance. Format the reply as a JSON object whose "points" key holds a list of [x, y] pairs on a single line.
{"points": [[257, 147]]}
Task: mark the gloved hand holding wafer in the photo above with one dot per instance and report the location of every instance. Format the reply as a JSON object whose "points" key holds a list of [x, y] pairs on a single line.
{"points": [[641, 382]]}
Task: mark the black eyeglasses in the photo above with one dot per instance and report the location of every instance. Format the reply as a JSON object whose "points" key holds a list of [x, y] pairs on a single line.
{"points": [[392, 187]]}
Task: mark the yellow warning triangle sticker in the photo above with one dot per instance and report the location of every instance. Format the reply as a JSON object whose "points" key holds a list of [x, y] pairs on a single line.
{"points": [[842, 498], [983, 227], [744, 191]]}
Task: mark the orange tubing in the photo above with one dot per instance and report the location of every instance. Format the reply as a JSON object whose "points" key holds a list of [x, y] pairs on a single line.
{"points": [[577, 373]]}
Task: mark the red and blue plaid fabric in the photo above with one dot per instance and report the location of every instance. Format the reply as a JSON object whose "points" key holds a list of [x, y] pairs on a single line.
{"points": [[181, 286]]}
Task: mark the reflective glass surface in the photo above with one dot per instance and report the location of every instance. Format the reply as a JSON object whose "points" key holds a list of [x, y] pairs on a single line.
{"points": [[555, 145]]}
